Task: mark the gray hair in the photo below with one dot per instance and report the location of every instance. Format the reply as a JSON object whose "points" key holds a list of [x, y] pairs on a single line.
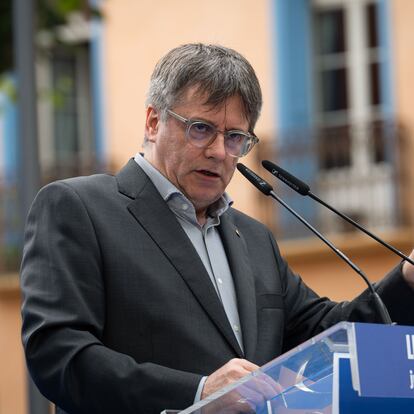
{"points": [[216, 71]]}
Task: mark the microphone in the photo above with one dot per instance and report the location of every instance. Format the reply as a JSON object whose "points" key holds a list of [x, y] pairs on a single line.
{"points": [[258, 182], [302, 188], [267, 189]]}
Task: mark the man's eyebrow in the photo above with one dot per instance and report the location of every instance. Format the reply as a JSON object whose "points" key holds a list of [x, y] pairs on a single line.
{"points": [[202, 120]]}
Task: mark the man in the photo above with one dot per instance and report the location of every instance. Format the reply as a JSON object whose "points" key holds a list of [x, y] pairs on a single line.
{"points": [[146, 290]]}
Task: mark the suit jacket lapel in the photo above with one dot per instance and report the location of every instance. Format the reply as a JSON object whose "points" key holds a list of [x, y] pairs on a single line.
{"points": [[236, 249], [151, 211]]}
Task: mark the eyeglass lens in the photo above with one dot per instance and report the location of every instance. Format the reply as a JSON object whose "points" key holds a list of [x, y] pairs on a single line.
{"points": [[201, 134]]}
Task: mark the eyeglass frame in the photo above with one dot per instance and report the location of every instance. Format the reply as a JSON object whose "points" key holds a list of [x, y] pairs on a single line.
{"points": [[190, 122]]}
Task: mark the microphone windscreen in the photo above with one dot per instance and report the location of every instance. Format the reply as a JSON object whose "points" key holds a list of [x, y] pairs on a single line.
{"points": [[287, 178], [257, 181]]}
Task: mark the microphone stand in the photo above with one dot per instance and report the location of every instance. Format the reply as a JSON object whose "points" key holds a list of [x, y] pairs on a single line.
{"points": [[382, 310], [267, 189]]}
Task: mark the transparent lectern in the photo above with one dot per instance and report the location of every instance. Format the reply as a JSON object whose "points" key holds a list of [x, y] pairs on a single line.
{"points": [[328, 374]]}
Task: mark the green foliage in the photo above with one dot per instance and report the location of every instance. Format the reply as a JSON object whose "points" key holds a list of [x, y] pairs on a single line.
{"points": [[7, 87], [52, 13]]}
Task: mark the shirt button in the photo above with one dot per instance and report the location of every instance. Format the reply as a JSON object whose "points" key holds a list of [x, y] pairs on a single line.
{"points": [[236, 328], [220, 281], [185, 206]]}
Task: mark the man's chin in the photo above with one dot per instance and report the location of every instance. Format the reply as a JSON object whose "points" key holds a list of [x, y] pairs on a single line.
{"points": [[203, 203]]}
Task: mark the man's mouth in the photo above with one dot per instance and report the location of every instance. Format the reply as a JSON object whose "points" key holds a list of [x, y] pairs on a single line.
{"points": [[208, 173]]}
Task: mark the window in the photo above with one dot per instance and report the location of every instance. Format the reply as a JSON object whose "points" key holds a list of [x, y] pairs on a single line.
{"points": [[355, 143], [335, 97], [65, 114], [347, 77]]}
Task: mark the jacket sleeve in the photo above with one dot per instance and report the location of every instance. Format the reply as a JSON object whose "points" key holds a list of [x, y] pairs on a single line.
{"points": [[63, 311]]}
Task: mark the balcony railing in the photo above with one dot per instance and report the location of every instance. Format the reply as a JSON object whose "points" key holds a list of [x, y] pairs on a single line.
{"points": [[359, 169]]}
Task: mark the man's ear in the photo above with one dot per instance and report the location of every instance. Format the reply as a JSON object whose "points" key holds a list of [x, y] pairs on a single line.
{"points": [[152, 121]]}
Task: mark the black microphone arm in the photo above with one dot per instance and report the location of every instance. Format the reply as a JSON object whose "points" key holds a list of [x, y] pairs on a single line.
{"points": [[267, 189], [302, 188]]}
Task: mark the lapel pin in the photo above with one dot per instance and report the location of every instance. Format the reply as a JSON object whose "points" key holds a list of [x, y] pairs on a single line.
{"points": [[237, 232]]}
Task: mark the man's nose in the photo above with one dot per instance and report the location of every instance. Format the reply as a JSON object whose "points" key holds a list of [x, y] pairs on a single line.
{"points": [[217, 149]]}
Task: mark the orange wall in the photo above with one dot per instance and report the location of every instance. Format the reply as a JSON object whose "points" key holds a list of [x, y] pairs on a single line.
{"points": [[403, 58], [12, 367], [329, 276]]}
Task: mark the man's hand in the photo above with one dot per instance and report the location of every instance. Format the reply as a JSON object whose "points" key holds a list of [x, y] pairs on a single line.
{"points": [[228, 373], [408, 271]]}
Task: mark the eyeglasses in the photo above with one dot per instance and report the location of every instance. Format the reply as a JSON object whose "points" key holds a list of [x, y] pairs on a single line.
{"points": [[201, 134]]}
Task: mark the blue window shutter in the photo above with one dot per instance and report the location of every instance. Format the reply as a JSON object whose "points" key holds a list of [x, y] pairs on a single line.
{"points": [[9, 131], [294, 116]]}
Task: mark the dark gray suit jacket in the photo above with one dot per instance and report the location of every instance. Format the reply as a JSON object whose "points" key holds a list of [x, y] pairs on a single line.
{"points": [[120, 316]]}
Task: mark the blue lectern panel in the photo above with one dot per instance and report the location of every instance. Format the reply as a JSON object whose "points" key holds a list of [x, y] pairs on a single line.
{"points": [[351, 403], [385, 359]]}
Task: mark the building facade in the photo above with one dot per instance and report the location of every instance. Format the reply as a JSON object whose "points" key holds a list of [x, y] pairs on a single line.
{"points": [[336, 80]]}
